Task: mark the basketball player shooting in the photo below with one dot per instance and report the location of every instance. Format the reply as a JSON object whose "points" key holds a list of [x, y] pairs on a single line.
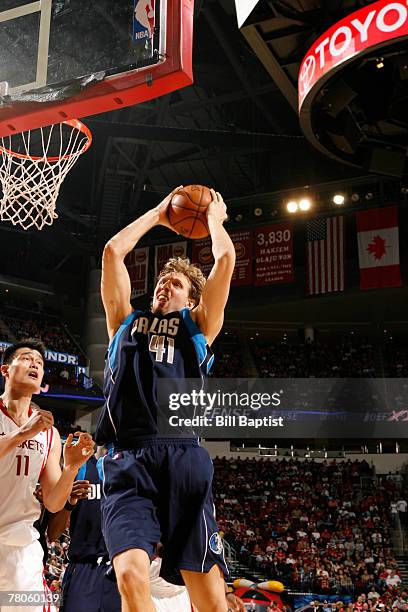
{"points": [[30, 451], [159, 489]]}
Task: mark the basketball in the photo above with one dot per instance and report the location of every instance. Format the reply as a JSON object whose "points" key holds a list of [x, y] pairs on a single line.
{"points": [[187, 211]]}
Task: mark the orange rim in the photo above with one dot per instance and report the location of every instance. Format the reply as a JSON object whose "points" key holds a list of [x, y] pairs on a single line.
{"points": [[74, 123]]}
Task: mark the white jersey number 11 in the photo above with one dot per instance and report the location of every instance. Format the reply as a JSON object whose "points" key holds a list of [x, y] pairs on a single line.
{"points": [[20, 462]]}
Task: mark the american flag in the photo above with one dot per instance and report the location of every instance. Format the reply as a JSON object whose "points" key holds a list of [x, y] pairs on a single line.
{"points": [[325, 255]]}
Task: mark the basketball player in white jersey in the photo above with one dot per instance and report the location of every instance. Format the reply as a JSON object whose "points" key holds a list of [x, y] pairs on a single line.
{"points": [[30, 452], [168, 597]]}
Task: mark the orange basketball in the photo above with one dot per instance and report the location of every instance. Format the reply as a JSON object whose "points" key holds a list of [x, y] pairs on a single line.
{"points": [[187, 211]]}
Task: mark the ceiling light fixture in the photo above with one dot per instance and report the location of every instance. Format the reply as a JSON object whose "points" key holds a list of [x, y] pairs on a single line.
{"points": [[305, 204], [292, 206]]}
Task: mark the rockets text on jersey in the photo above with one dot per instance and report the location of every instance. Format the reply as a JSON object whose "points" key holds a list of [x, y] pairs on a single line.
{"points": [[20, 470]]}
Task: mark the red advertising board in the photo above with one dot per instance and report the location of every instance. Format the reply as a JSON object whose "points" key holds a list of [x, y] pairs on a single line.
{"points": [[273, 254]]}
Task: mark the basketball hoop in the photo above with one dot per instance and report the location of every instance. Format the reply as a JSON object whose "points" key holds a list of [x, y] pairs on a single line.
{"points": [[33, 165]]}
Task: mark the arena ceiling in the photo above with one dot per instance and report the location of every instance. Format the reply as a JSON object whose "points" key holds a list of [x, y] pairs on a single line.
{"points": [[236, 129]]}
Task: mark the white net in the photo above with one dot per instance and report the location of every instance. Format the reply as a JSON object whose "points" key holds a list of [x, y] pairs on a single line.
{"points": [[33, 165]]}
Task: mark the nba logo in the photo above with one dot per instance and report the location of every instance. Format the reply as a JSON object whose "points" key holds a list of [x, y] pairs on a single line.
{"points": [[143, 19]]}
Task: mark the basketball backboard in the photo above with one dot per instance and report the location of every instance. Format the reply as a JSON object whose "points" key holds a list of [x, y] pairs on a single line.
{"points": [[63, 59]]}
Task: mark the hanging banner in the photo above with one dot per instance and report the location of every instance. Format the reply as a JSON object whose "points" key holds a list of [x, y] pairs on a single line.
{"points": [[274, 254], [378, 248], [137, 263], [325, 255], [201, 255], [243, 243], [164, 252]]}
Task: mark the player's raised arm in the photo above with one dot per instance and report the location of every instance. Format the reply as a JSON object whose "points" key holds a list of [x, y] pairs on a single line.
{"points": [[209, 314], [115, 285]]}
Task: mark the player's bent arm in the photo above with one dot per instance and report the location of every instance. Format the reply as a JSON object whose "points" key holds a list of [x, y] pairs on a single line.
{"points": [[115, 290], [56, 485], [58, 522], [209, 314], [40, 420], [115, 285], [10, 441]]}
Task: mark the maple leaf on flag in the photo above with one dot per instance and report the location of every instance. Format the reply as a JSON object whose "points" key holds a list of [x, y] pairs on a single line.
{"points": [[377, 247]]}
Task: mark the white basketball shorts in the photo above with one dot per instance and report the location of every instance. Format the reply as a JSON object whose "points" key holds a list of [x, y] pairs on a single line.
{"points": [[177, 603], [22, 581]]}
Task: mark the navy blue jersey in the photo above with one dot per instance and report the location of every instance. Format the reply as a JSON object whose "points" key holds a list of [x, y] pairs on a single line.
{"points": [[146, 348], [85, 523]]}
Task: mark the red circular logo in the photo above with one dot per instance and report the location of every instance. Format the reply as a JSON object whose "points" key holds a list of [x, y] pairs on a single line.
{"points": [[205, 255], [239, 249], [178, 251]]}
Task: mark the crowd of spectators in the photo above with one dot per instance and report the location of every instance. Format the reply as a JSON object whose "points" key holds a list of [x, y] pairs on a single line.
{"points": [[50, 332], [393, 599], [56, 562], [66, 376], [349, 358], [395, 360], [352, 357], [228, 362], [307, 523], [55, 339]]}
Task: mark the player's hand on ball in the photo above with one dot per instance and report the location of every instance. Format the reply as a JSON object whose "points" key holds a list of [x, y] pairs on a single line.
{"points": [[75, 454], [80, 490], [40, 420], [217, 209], [162, 209]]}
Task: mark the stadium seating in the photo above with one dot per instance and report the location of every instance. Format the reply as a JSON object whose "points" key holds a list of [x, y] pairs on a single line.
{"points": [[307, 524]]}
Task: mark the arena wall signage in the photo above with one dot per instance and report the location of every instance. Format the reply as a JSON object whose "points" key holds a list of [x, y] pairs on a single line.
{"points": [[54, 356], [364, 30]]}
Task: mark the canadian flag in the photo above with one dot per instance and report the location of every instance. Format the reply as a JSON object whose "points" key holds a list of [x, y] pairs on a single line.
{"points": [[378, 248]]}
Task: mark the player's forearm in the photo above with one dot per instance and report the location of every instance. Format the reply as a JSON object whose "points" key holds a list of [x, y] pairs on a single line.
{"points": [[124, 241], [10, 441], [57, 524], [55, 499], [222, 245]]}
